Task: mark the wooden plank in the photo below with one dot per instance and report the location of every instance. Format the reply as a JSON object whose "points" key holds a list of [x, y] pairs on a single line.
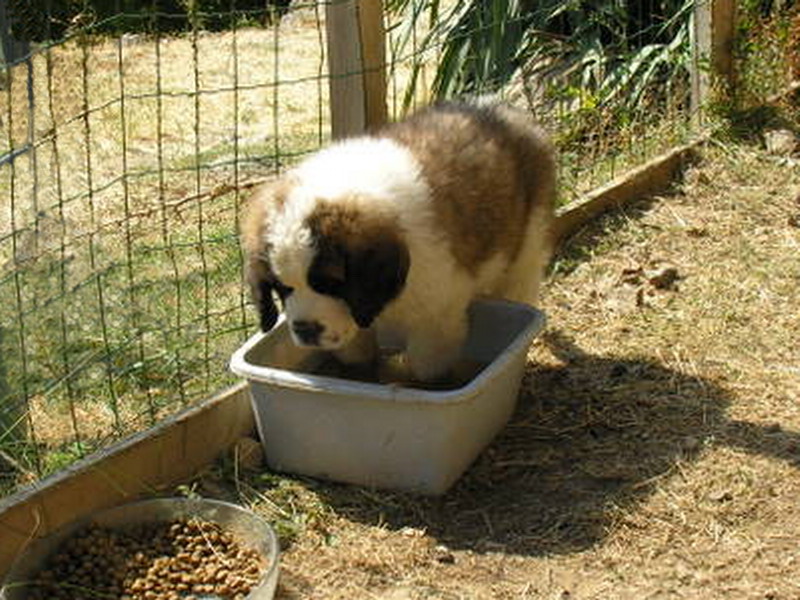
{"points": [[356, 63], [373, 59], [344, 64], [20, 523], [147, 463], [712, 66], [652, 177]]}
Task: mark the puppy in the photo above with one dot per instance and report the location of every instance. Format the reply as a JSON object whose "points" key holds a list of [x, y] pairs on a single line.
{"points": [[394, 234]]}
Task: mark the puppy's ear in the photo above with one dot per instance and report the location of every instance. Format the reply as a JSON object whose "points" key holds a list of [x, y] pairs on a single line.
{"points": [[376, 274], [267, 311], [254, 226], [360, 258]]}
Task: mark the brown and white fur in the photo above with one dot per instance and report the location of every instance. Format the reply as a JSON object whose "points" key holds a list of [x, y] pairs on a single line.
{"points": [[394, 234]]}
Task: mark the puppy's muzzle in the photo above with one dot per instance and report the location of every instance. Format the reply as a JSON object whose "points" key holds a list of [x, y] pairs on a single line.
{"points": [[307, 332]]}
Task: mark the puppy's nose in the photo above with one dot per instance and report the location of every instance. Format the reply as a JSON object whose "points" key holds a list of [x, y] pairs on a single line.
{"points": [[307, 332]]}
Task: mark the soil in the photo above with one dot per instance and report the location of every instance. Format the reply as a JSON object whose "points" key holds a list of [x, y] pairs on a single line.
{"points": [[655, 451]]}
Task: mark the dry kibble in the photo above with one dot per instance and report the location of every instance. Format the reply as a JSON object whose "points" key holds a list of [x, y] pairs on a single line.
{"points": [[165, 561]]}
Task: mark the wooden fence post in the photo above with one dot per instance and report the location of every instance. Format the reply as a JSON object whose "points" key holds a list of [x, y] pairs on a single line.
{"points": [[357, 66], [712, 68]]}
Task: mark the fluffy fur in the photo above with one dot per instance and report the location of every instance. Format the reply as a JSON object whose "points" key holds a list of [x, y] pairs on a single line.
{"points": [[391, 236]]}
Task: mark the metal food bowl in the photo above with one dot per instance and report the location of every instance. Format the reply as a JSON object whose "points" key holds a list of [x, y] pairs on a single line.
{"points": [[248, 528]]}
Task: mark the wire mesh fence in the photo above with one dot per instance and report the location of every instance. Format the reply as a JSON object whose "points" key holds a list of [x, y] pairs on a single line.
{"points": [[602, 76], [129, 141], [127, 159]]}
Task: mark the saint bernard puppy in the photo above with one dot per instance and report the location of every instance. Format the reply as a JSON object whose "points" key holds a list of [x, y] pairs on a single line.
{"points": [[394, 234]]}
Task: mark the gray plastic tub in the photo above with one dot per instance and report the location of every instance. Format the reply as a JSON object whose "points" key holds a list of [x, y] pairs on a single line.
{"points": [[386, 436]]}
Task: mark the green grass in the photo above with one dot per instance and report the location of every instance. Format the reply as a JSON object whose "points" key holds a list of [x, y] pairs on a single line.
{"points": [[107, 328], [126, 297], [147, 332]]}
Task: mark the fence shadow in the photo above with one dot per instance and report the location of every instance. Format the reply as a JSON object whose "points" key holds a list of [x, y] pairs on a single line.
{"points": [[592, 436]]}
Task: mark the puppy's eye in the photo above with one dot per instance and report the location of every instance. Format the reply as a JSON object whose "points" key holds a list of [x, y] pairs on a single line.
{"points": [[327, 285], [283, 291], [327, 279]]}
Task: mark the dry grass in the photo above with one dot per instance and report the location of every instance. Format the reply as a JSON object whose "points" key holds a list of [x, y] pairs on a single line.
{"points": [[656, 446], [188, 99]]}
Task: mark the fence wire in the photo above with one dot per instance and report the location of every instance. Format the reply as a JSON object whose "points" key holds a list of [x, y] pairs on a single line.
{"points": [[126, 160], [129, 141]]}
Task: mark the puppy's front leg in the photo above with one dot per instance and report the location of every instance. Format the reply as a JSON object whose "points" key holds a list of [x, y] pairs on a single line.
{"points": [[362, 349], [433, 351]]}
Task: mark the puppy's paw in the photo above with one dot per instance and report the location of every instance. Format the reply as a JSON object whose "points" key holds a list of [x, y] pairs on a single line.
{"points": [[431, 357]]}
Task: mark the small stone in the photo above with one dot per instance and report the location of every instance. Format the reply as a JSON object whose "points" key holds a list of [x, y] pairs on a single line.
{"points": [[721, 496], [412, 532], [697, 232], [780, 142], [641, 302], [444, 555], [665, 279], [690, 443], [248, 453], [632, 275]]}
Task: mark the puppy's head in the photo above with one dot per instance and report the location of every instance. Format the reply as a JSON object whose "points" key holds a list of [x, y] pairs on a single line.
{"points": [[334, 263]]}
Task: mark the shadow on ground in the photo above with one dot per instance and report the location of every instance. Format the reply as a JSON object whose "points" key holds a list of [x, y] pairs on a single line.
{"points": [[592, 435]]}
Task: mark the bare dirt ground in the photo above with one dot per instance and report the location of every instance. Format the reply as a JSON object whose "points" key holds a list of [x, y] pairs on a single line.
{"points": [[655, 452]]}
